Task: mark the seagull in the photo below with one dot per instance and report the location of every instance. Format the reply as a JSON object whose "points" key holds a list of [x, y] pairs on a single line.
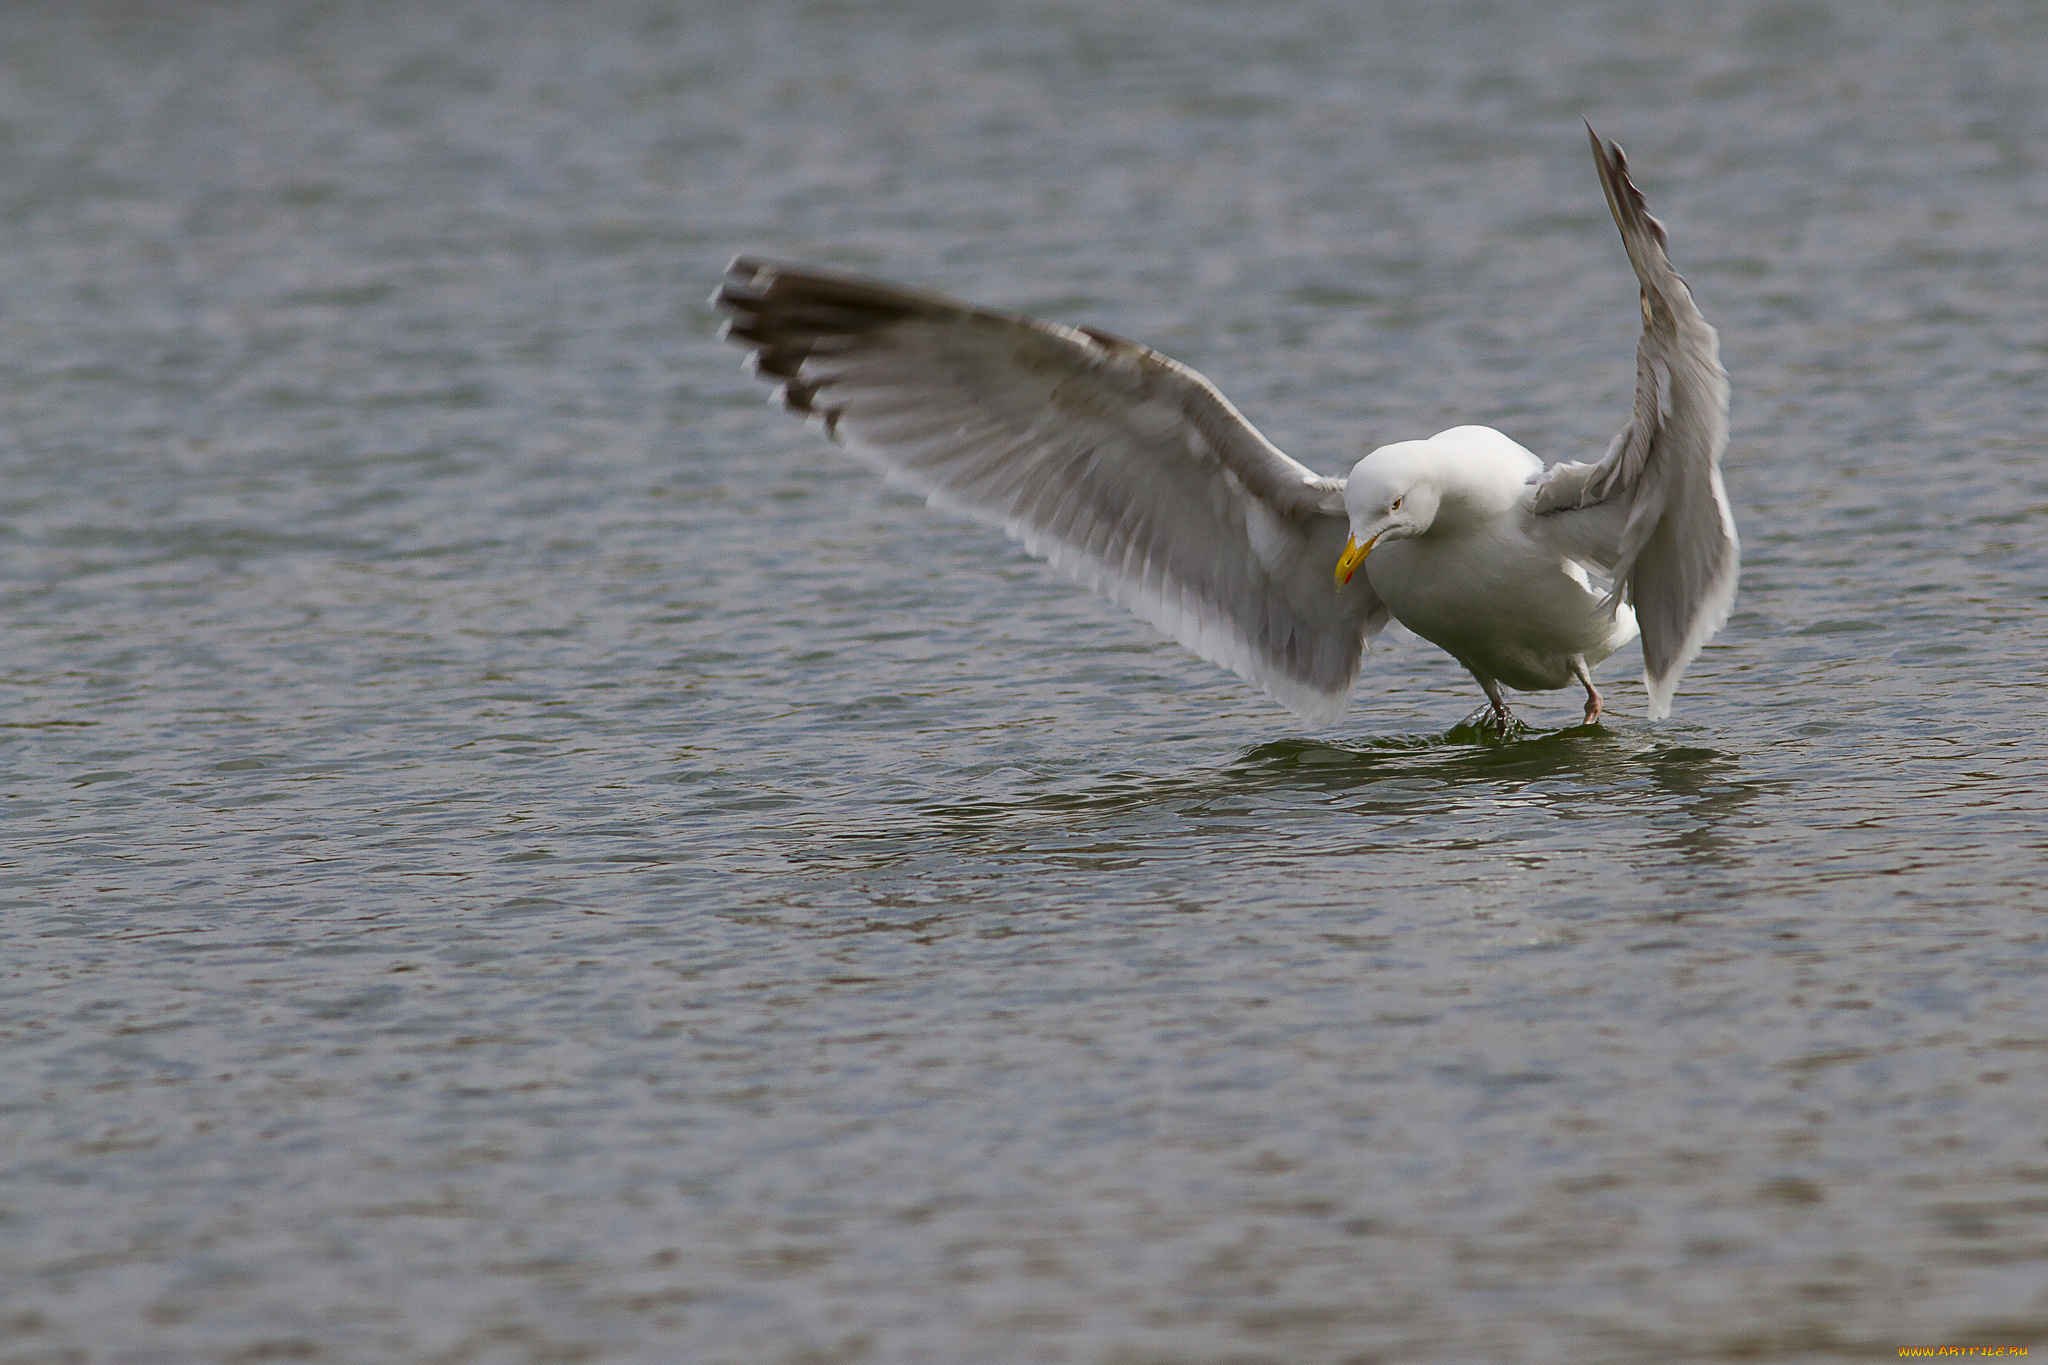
{"points": [[1133, 474]]}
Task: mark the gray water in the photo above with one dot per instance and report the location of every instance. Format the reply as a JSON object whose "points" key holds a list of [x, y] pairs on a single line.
{"points": [[517, 852]]}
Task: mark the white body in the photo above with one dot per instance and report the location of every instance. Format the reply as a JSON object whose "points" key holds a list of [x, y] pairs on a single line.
{"points": [[1476, 579]]}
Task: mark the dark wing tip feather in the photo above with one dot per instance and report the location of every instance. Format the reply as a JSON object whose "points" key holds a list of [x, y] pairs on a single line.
{"points": [[787, 311], [1623, 197], [783, 315], [751, 282]]}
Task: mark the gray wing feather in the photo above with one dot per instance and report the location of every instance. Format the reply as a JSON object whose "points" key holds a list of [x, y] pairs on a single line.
{"points": [[1653, 512], [1125, 469]]}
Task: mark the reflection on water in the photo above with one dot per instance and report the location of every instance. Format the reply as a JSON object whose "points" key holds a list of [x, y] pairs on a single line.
{"points": [[1576, 772]]}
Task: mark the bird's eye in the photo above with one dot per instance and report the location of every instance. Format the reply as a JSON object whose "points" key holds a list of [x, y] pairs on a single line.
{"points": [[1394, 506]]}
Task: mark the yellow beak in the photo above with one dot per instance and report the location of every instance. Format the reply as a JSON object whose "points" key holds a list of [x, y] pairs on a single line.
{"points": [[1354, 555]]}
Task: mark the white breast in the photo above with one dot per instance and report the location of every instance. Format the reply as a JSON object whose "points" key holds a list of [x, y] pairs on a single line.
{"points": [[1499, 602]]}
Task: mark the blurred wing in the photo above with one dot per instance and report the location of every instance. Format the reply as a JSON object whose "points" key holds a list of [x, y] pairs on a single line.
{"points": [[1652, 513], [1125, 469]]}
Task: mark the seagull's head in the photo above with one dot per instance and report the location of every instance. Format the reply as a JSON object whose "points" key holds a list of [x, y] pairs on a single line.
{"points": [[1392, 494]]}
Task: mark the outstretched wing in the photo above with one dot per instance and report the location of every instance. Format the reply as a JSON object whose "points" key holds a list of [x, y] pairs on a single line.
{"points": [[1653, 512], [1125, 469]]}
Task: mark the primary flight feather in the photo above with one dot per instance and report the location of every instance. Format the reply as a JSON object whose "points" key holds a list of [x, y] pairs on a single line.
{"points": [[1133, 474]]}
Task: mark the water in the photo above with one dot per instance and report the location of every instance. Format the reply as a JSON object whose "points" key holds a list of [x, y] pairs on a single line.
{"points": [[516, 853]]}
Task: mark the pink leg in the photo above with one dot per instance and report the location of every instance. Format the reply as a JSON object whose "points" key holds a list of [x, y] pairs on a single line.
{"points": [[1592, 692], [1501, 715]]}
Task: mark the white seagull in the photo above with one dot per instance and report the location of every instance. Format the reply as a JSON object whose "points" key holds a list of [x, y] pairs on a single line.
{"points": [[1133, 474]]}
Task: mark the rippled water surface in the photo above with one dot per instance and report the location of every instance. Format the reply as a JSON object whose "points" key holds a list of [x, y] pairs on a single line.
{"points": [[515, 852]]}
